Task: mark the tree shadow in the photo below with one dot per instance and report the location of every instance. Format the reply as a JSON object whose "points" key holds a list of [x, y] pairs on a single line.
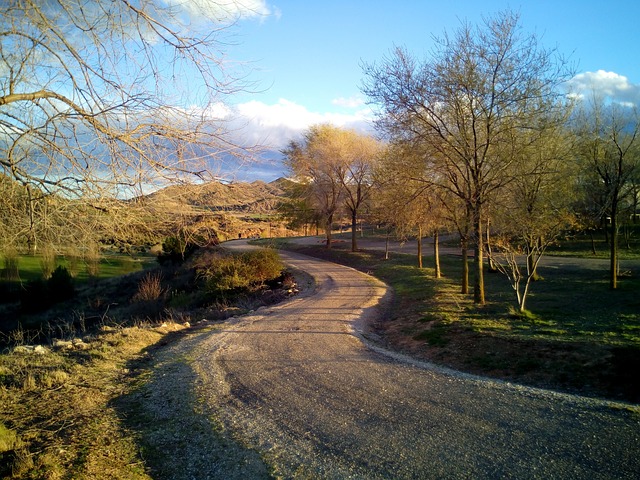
{"points": [[175, 431]]}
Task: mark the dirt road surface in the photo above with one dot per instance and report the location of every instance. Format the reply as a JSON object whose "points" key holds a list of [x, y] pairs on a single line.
{"points": [[300, 384]]}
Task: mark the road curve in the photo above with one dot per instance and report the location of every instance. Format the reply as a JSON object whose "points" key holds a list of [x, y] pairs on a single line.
{"points": [[296, 383]]}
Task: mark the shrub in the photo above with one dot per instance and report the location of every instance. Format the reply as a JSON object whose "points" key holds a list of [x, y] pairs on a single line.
{"points": [[228, 274], [34, 296], [92, 259], [175, 250], [60, 284], [263, 264], [73, 257], [149, 288], [47, 261], [11, 265], [38, 295]]}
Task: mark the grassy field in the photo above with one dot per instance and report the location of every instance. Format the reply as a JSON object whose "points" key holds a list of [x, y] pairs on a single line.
{"points": [[578, 336], [109, 265], [58, 417], [595, 244]]}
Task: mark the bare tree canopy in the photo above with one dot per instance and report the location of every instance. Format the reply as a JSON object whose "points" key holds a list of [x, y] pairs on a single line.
{"points": [[101, 97], [335, 167], [466, 105], [609, 152]]}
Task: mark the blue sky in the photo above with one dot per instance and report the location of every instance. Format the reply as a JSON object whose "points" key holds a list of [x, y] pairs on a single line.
{"points": [[305, 55]]}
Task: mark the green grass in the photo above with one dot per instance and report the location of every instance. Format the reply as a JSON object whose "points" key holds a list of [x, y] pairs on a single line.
{"points": [[111, 265], [583, 244]]}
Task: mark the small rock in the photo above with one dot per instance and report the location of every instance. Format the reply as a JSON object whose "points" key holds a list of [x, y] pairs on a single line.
{"points": [[81, 345], [62, 344], [40, 350]]}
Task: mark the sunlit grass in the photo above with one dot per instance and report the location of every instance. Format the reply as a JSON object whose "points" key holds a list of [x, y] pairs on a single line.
{"points": [[110, 265]]}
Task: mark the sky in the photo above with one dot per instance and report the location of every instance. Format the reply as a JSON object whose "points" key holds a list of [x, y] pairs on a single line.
{"points": [[305, 57]]}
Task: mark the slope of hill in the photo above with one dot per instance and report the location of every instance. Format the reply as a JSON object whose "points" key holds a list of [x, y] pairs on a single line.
{"points": [[240, 198], [233, 210]]}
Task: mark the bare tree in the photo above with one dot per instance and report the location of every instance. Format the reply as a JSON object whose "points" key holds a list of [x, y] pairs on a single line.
{"points": [[361, 152], [536, 208], [335, 167], [97, 97], [609, 147], [480, 86], [407, 197]]}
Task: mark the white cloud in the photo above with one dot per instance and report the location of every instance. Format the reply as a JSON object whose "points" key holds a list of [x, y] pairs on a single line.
{"points": [[275, 125], [222, 10], [351, 102], [610, 85]]}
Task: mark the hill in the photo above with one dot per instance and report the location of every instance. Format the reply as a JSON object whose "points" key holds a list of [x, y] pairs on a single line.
{"points": [[241, 198], [235, 209]]}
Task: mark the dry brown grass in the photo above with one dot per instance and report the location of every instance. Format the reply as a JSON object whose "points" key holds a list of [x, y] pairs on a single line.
{"points": [[58, 420]]}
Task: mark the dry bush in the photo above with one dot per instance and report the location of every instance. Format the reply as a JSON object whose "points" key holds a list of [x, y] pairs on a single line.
{"points": [[11, 264], [226, 274], [150, 288], [92, 259]]}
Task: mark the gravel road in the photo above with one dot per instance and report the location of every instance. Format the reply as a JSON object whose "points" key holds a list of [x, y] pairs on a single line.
{"points": [[299, 383]]}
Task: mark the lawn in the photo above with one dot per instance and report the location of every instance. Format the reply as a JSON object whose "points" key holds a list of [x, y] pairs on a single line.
{"points": [[110, 265], [595, 243], [578, 335]]}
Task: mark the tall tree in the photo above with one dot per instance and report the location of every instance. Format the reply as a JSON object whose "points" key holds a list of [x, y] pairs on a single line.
{"points": [[464, 104], [609, 147], [361, 155], [317, 163], [536, 208], [406, 197], [335, 165]]}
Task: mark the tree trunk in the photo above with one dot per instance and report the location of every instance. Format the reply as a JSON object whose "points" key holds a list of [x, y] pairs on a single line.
{"points": [[532, 268], [478, 264], [613, 273], [32, 239], [328, 230], [419, 246], [464, 248], [436, 253], [386, 245], [354, 225], [492, 266]]}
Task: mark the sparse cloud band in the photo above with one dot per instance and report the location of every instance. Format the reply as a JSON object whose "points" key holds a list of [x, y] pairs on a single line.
{"points": [[221, 11]]}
